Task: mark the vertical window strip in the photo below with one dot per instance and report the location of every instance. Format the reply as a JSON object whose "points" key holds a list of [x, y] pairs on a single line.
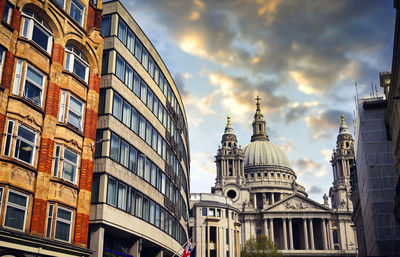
{"points": [[7, 145], [50, 220], [61, 115], [57, 160], [17, 78]]}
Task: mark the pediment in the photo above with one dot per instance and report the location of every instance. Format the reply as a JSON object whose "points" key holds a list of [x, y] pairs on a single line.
{"points": [[297, 203]]}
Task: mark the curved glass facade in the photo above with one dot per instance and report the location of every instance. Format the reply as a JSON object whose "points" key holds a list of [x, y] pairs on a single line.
{"points": [[141, 176]]}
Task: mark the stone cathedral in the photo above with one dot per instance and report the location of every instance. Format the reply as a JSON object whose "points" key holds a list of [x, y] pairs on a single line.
{"points": [[260, 183]]}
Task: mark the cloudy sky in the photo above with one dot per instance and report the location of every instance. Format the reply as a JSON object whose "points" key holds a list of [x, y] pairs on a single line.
{"points": [[302, 57]]}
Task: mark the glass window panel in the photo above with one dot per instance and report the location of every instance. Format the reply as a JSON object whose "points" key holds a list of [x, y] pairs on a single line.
{"points": [[143, 91], [114, 151], [135, 121], [140, 170], [40, 37], [112, 191], [122, 29], [132, 159], [163, 181], [152, 212], [105, 24], [154, 140], [145, 59], [129, 77], [24, 146], [147, 170], [159, 144], [157, 216], [130, 42], [142, 128], [156, 74], [79, 69], [138, 50], [76, 11], [150, 99], [153, 174], [120, 68], [146, 213], [148, 133], [136, 84], [162, 219], [126, 117], [155, 105], [151, 66], [15, 218], [62, 231], [138, 205], [124, 153], [104, 65], [117, 106], [122, 192]]}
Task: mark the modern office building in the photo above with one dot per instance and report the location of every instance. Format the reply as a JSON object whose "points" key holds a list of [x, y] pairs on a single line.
{"points": [[50, 60], [374, 182], [141, 173], [214, 224]]}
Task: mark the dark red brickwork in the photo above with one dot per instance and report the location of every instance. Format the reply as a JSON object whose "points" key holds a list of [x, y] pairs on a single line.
{"points": [[2, 124], [90, 124], [38, 222], [45, 155], [98, 18], [90, 18], [16, 19], [86, 175], [94, 82], [58, 53], [52, 99], [81, 229], [2, 4], [8, 71]]}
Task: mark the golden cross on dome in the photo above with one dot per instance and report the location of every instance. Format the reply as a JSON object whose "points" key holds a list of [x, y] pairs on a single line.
{"points": [[258, 102], [229, 120], [342, 119]]}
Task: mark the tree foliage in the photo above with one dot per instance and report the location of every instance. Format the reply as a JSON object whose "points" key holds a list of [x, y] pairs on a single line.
{"points": [[260, 246]]}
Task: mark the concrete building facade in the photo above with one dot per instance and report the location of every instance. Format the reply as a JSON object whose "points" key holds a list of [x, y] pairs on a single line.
{"points": [[214, 224], [261, 184], [141, 173], [50, 60], [374, 182]]}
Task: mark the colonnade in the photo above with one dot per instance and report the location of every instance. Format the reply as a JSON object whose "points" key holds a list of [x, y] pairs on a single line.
{"points": [[290, 233]]}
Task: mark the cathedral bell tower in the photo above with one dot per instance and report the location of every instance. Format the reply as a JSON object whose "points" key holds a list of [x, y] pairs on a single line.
{"points": [[259, 125], [229, 160], [342, 160]]}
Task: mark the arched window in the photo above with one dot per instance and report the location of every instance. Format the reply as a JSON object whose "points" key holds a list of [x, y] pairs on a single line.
{"points": [[35, 29], [76, 62]]}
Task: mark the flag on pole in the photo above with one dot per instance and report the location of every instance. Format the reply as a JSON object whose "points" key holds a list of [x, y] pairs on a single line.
{"points": [[188, 249]]}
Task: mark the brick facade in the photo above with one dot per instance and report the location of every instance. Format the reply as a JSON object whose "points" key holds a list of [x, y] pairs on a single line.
{"points": [[41, 187]]}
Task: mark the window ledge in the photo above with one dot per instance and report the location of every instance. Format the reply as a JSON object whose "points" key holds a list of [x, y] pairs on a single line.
{"points": [[27, 102], [81, 81], [38, 48], [19, 163], [7, 26], [64, 182], [72, 128]]}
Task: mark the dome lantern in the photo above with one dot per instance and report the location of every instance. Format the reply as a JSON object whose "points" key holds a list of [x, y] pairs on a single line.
{"points": [[259, 124]]}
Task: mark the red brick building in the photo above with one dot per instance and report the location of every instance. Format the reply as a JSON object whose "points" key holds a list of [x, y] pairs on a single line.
{"points": [[50, 61]]}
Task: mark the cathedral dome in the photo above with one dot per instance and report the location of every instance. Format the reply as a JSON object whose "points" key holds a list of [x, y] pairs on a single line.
{"points": [[265, 153]]}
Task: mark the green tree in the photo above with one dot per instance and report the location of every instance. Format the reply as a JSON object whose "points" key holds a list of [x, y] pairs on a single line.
{"points": [[260, 246]]}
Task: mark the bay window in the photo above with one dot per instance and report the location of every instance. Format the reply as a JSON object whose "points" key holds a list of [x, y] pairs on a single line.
{"points": [[76, 63], [71, 110], [16, 210], [65, 164], [35, 29]]}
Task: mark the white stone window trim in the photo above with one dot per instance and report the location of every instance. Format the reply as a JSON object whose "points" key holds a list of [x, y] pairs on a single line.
{"points": [[25, 209], [17, 137], [65, 109], [72, 53], [58, 219], [31, 19]]}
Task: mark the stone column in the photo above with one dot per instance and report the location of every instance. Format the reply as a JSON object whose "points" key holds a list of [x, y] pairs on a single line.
{"points": [[290, 234], [330, 234], [255, 201], [271, 230], [266, 226], [97, 240], [272, 198], [252, 228], [324, 241], [305, 234], [310, 225], [135, 249], [160, 254], [284, 234]]}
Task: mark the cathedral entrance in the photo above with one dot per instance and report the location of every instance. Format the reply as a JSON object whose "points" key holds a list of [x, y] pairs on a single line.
{"points": [[298, 242]]}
